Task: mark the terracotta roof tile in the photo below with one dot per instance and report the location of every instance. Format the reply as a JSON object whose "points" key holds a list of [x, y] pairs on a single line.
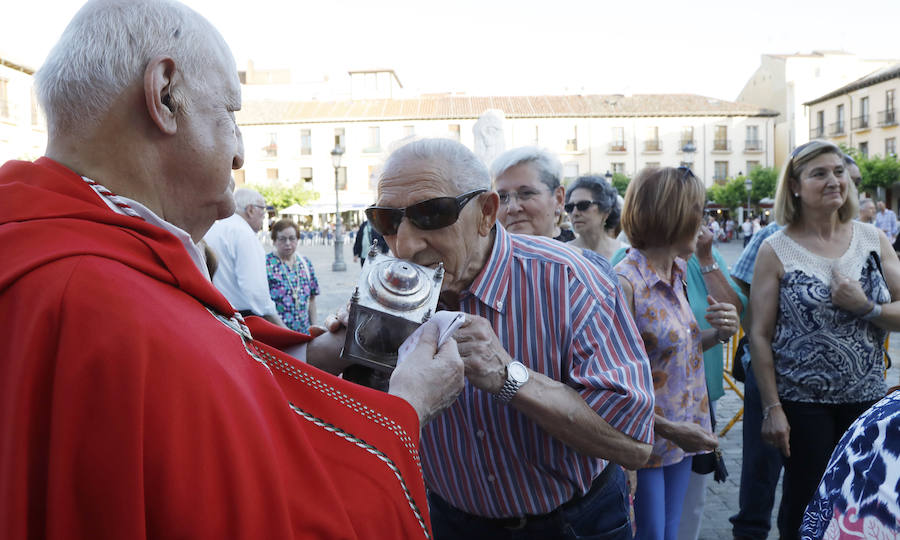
{"points": [[458, 107]]}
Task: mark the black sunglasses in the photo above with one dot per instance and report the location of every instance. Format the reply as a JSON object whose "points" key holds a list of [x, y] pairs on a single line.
{"points": [[686, 173], [582, 206], [427, 215]]}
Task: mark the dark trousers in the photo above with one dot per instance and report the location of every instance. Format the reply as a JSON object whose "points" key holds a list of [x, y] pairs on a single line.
{"points": [[601, 513], [816, 429], [760, 468]]}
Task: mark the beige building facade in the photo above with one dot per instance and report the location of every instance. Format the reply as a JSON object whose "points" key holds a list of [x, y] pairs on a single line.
{"points": [[291, 141], [784, 82], [23, 132], [861, 115]]}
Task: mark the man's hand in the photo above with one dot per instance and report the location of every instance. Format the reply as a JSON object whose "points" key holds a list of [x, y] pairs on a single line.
{"points": [[483, 355], [847, 293], [429, 378], [692, 438]]}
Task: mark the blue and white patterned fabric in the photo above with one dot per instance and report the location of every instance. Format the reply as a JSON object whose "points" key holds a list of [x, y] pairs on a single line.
{"points": [[858, 496], [823, 353]]}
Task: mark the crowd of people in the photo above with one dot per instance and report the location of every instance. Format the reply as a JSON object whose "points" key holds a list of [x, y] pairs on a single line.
{"points": [[163, 376]]}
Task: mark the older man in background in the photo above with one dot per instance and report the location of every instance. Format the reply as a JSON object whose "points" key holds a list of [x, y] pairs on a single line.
{"points": [[867, 211], [136, 402], [558, 382], [241, 275]]}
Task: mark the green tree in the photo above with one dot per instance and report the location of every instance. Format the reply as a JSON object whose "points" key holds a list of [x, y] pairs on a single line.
{"points": [[730, 195], [877, 172], [764, 180], [620, 182], [281, 195]]}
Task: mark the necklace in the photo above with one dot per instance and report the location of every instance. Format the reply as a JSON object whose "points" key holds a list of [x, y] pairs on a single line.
{"points": [[295, 290]]}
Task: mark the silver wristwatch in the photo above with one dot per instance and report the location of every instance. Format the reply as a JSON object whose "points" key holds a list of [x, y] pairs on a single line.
{"points": [[516, 376]]}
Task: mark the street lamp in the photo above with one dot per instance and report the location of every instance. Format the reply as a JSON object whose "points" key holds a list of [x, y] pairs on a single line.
{"points": [[748, 185], [608, 177], [338, 265]]}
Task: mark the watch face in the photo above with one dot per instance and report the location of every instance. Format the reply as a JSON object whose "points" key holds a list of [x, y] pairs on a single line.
{"points": [[517, 372]]}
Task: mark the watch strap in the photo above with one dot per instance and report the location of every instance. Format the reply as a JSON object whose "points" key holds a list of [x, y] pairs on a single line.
{"points": [[709, 268]]}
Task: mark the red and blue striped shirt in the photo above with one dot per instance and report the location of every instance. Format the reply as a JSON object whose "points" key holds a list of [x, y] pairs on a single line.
{"points": [[561, 313]]}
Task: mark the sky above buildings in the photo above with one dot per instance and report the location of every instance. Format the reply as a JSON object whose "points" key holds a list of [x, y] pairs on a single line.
{"points": [[492, 47]]}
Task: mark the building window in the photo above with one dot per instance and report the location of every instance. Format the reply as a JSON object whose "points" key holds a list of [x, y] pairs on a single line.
{"points": [[342, 178], [271, 174], [651, 140], [687, 136], [373, 177], [339, 139], [752, 144], [570, 171], [864, 149], [890, 147], [409, 131], [454, 132], [887, 116], [862, 121], [374, 140], [306, 175], [720, 142], [537, 139], [4, 98], [721, 171], [305, 142], [653, 164], [572, 143], [751, 164], [838, 126], [271, 148], [819, 131], [618, 167], [239, 177], [618, 140]]}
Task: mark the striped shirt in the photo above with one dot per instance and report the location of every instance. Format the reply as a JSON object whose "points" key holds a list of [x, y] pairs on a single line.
{"points": [[559, 314]]}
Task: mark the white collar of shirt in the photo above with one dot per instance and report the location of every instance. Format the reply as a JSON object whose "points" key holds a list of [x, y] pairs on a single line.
{"points": [[149, 216]]}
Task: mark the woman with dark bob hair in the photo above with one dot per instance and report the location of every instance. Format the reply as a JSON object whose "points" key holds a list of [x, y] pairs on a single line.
{"points": [[591, 202], [661, 216], [292, 281], [821, 301]]}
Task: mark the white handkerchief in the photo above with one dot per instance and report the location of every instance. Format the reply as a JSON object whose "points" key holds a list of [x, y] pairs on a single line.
{"points": [[447, 321]]}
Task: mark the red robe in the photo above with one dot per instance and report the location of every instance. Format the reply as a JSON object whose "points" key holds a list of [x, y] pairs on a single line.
{"points": [[127, 410]]}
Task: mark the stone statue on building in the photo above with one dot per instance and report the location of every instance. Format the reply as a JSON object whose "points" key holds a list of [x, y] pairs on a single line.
{"points": [[488, 131]]}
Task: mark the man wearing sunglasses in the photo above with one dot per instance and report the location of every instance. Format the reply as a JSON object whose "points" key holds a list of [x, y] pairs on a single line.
{"points": [[558, 385]]}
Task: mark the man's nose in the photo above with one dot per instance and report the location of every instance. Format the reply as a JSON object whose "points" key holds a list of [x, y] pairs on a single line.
{"points": [[408, 241]]}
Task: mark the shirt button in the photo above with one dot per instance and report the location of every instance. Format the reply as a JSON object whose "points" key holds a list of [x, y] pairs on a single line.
{"points": [[499, 304], [479, 434], [490, 478]]}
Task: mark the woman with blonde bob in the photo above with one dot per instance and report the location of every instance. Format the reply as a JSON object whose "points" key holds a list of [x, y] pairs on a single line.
{"points": [[661, 216], [821, 304]]}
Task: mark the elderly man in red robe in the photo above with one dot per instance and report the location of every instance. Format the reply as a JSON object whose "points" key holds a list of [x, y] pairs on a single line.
{"points": [[134, 401]]}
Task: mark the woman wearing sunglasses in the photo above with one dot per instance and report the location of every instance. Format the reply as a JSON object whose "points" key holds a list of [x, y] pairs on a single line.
{"points": [[591, 202], [822, 302], [661, 216], [531, 197]]}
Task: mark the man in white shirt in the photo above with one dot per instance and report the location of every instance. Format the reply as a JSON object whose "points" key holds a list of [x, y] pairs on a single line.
{"points": [[886, 220], [241, 275]]}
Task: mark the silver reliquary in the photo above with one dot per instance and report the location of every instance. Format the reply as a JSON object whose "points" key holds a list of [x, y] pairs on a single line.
{"points": [[393, 297]]}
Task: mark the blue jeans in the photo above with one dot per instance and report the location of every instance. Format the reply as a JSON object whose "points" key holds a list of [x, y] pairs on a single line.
{"points": [[600, 515], [760, 469], [658, 500]]}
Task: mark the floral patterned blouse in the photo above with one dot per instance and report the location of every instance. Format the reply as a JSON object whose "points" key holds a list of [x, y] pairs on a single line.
{"points": [[291, 287], [673, 343]]}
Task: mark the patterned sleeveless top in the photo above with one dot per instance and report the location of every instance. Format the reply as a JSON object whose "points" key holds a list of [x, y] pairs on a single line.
{"points": [[823, 353], [673, 343]]}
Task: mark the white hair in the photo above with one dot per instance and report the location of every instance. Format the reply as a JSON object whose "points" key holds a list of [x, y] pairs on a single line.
{"points": [[462, 166], [244, 197], [105, 49], [548, 166]]}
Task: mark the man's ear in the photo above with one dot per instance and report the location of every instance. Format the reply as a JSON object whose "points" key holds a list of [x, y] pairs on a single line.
{"points": [[160, 80], [490, 204]]}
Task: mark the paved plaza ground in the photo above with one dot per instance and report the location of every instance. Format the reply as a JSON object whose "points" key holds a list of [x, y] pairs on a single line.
{"points": [[722, 499]]}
